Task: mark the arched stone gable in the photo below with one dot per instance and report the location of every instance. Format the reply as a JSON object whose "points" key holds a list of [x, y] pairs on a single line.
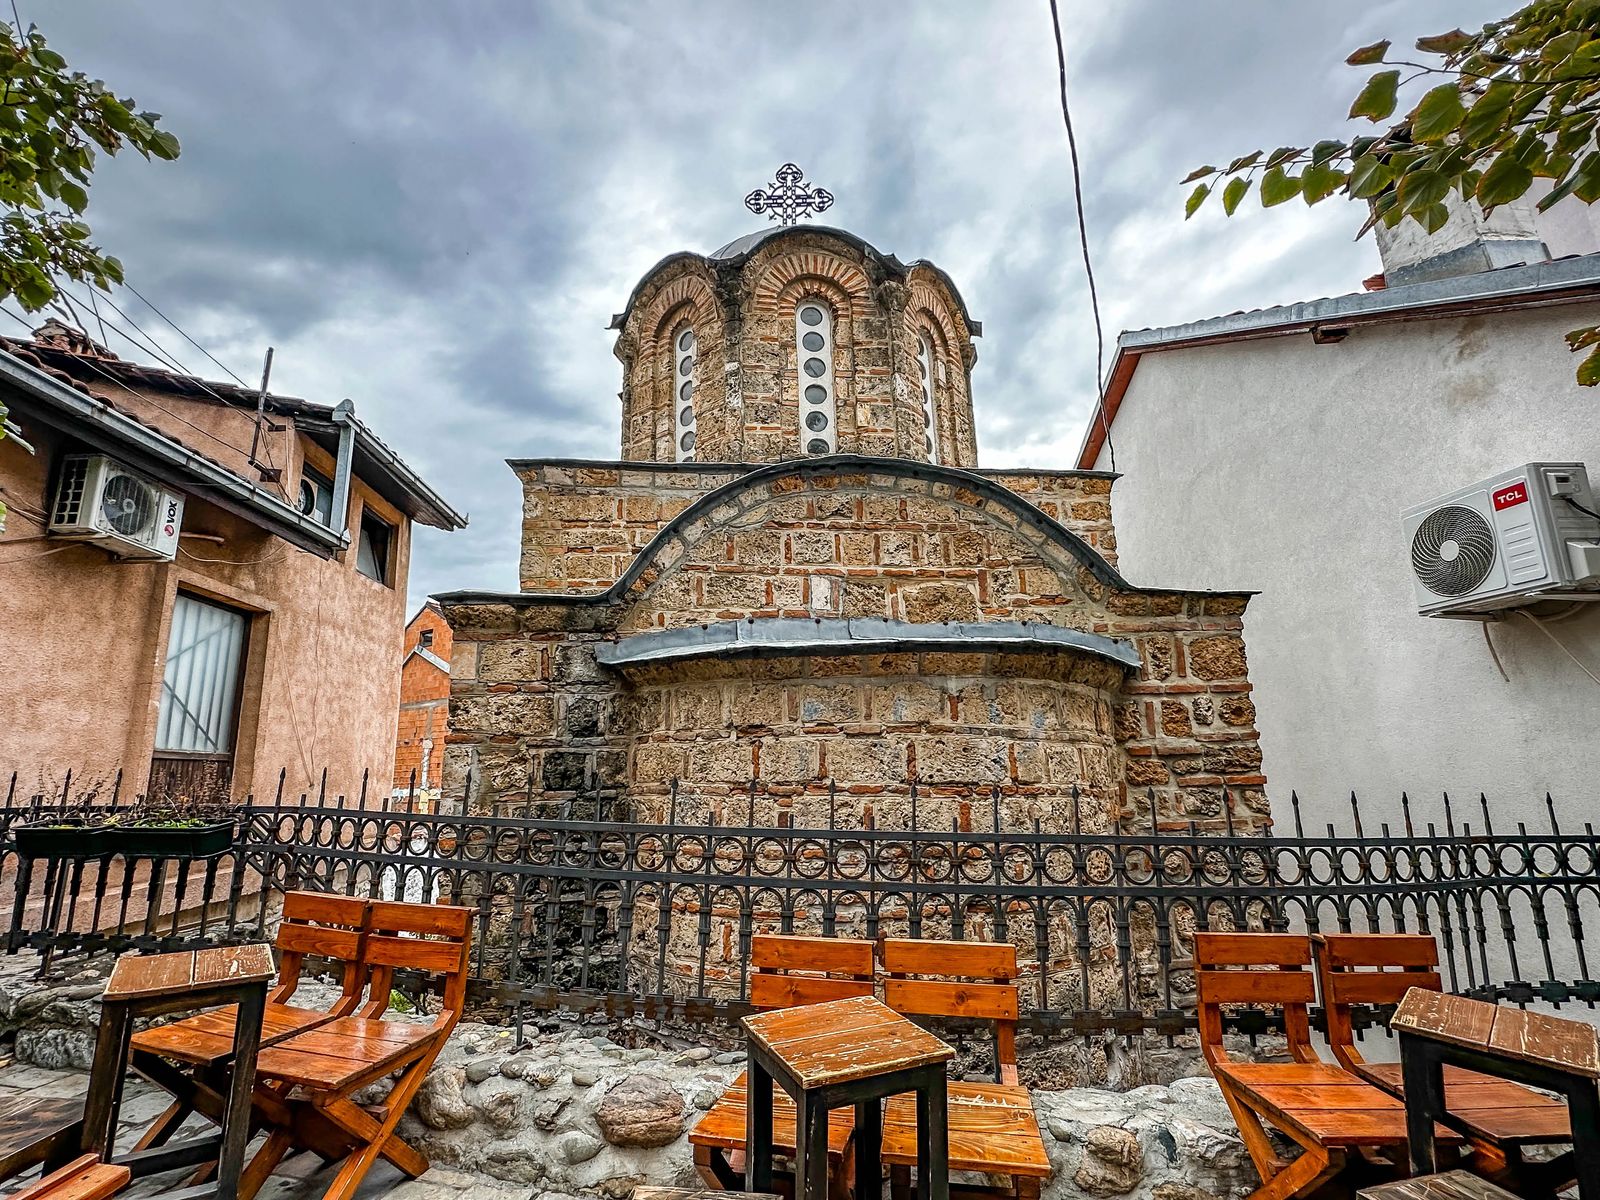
{"points": [[688, 293]]}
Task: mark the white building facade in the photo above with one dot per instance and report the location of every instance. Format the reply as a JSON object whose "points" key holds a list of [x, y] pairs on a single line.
{"points": [[1295, 437]]}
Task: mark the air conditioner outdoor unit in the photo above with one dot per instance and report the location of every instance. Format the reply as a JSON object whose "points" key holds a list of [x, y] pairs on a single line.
{"points": [[1518, 538], [99, 500]]}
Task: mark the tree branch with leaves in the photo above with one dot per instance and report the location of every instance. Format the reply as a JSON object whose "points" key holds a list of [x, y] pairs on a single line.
{"points": [[1515, 102]]}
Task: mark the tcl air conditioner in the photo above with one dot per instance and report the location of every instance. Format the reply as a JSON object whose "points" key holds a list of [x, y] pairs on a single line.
{"points": [[98, 500], [1525, 535]]}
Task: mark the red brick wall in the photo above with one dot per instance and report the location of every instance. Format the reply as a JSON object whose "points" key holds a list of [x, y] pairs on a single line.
{"points": [[424, 702]]}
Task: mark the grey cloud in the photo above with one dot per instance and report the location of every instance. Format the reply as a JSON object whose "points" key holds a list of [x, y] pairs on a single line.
{"points": [[434, 209]]}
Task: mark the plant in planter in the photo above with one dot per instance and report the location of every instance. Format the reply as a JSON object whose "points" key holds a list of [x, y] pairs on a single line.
{"points": [[179, 829]]}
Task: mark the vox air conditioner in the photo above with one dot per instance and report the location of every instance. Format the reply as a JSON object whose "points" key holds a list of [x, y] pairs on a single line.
{"points": [[98, 500], [1525, 535]]}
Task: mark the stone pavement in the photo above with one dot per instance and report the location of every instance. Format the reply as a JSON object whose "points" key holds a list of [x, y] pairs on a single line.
{"points": [[301, 1177]]}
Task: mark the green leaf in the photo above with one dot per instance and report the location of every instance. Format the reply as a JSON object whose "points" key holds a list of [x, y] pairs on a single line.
{"points": [[1368, 55], [1233, 193], [1377, 99], [1198, 173], [1489, 113], [164, 145], [1438, 114], [1277, 187], [1282, 155], [1504, 181], [1326, 151], [1369, 175], [1579, 338], [1589, 369], [1196, 199], [1422, 189], [1320, 182], [1243, 161], [1433, 217], [1445, 43], [75, 197]]}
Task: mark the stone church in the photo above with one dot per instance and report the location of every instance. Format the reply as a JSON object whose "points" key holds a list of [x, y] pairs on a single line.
{"points": [[796, 580]]}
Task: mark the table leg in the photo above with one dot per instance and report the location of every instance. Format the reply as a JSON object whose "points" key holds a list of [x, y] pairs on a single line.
{"points": [[1583, 1109], [869, 1149], [757, 1128], [811, 1148], [236, 1117], [105, 1079], [1422, 1072], [933, 1141]]}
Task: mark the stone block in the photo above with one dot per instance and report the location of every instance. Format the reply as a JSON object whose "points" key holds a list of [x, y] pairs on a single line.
{"points": [[1218, 657], [931, 603], [1236, 710], [565, 770], [830, 704], [875, 762]]}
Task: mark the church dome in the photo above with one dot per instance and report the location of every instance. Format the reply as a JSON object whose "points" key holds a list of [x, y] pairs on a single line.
{"points": [[791, 342]]}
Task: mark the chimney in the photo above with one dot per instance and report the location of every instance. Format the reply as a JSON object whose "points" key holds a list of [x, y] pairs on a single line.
{"points": [[1469, 241]]}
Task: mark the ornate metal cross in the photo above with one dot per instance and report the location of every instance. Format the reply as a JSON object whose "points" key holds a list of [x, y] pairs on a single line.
{"points": [[788, 198]]}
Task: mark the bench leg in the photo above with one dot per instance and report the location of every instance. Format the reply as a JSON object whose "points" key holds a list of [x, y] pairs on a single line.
{"points": [[1303, 1176]]}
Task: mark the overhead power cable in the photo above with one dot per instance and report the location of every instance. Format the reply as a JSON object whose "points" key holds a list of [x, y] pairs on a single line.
{"points": [[1083, 241]]}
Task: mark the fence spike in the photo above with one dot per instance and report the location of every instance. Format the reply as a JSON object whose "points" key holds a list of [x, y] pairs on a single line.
{"points": [[116, 789], [322, 789], [66, 788], [1150, 795], [1355, 813], [1294, 804], [1077, 811], [1550, 807], [672, 802], [1488, 826], [1405, 807], [362, 802], [1227, 810], [1449, 816]]}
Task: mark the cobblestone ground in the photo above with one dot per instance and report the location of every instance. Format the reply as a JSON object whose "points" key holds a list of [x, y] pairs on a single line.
{"points": [[299, 1177]]}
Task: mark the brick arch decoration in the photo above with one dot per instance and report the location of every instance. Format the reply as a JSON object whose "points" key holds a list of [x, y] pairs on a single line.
{"points": [[648, 408], [1065, 554], [773, 276]]}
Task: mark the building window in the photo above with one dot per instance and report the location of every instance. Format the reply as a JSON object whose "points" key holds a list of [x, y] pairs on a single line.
{"points": [[316, 496], [813, 335], [200, 682], [930, 419], [683, 348], [373, 550], [425, 639]]}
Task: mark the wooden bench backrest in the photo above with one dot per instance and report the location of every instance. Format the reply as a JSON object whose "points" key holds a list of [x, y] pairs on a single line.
{"points": [[984, 987], [1351, 970], [1223, 978], [789, 970], [326, 926], [435, 939]]}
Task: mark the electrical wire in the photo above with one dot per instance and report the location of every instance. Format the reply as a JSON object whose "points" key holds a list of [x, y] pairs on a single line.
{"points": [[237, 562], [1586, 511], [5, 562], [184, 335], [1494, 654], [1083, 240], [1560, 645]]}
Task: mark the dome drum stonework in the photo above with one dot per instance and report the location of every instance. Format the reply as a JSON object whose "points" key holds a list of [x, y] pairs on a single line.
{"points": [[821, 602]]}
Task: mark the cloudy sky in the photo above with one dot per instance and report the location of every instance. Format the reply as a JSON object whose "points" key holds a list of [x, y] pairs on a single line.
{"points": [[434, 209]]}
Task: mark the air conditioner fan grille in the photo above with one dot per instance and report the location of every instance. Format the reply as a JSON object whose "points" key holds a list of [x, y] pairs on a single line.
{"points": [[1452, 551]]}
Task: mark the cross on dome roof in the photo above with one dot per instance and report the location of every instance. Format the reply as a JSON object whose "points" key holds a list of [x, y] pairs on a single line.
{"points": [[788, 197]]}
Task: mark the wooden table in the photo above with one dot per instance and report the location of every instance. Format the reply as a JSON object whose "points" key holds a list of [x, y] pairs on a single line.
{"points": [[1560, 1055], [855, 1052], [155, 985]]}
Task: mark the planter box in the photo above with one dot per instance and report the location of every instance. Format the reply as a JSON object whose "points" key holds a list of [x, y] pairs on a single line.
{"points": [[59, 840], [156, 841], [143, 841]]}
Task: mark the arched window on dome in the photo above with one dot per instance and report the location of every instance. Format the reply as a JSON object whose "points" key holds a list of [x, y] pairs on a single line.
{"points": [[813, 337], [683, 430], [930, 412]]}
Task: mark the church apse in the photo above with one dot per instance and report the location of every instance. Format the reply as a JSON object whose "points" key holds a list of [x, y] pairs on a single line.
{"points": [[813, 625]]}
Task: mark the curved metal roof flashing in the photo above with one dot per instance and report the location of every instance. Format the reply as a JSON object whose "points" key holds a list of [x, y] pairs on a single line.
{"points": [[800, 637]]}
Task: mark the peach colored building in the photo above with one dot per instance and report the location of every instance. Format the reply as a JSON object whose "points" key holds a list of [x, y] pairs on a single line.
{"points": [[258, 633], [424, 701]]}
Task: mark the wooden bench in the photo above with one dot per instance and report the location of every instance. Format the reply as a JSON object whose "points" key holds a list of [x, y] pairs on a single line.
{"points": [[786, 970], [331, 927], [1438, 1031], [992, 1127], [85, 1178], [324, 1066], [1499, 1117], [1330, 1113], [35, 1132]]}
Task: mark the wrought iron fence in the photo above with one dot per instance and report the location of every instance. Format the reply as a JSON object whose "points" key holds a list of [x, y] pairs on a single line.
{"points": [[592, 911]]}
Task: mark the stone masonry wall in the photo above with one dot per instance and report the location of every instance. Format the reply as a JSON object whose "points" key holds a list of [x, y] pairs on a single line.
{"points": [[583, 523]]}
